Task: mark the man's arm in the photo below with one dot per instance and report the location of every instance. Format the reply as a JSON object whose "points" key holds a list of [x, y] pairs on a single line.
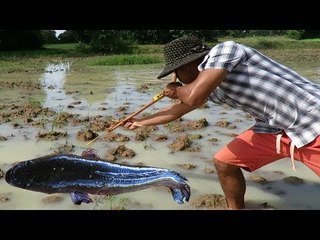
{"points": [[197, 92], [192, 96], [163, 116]]}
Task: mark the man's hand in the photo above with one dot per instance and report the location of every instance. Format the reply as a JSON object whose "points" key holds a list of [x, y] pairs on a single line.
{"points": [[132, 124], [171, 90]]}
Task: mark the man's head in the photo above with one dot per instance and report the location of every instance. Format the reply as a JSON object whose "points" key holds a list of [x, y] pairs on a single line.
{"points": [[182, 51]]}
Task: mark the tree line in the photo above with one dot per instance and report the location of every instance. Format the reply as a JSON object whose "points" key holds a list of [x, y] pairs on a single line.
{"points": [[122, 41]]}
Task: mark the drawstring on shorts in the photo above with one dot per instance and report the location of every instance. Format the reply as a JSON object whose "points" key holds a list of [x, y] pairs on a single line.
{"points": [[292, 146]]}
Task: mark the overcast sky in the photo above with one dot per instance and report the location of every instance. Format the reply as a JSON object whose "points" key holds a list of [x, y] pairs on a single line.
{"points": [[58, 32]]}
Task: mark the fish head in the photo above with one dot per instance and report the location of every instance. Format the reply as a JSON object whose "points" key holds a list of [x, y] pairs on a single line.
{"points": [[20, 175], [31, 174], [51, 174]]}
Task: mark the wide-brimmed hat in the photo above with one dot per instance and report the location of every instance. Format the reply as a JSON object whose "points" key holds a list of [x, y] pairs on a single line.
{"points": [[182, 51]]}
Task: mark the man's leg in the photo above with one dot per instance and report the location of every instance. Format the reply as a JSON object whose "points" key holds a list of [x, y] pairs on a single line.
{"points": [[233, 184], [248, 151]]}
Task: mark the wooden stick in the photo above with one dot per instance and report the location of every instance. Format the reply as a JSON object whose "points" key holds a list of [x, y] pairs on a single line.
{"points": [[155, 99]]}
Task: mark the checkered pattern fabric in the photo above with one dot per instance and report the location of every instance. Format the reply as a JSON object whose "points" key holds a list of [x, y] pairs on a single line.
{"points": [[278, 97]]}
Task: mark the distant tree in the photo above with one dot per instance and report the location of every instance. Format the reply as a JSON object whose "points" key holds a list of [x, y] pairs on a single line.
{"points": [[68, 36], [112, 41], [146, 36], [310, 34], [295, 34], [20, 40], [49, 36], [85, 36], [250, 33], [106, 41], [165, 36]]}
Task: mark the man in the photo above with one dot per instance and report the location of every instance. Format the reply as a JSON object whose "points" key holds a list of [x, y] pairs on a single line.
{"points": [[286, 107]]}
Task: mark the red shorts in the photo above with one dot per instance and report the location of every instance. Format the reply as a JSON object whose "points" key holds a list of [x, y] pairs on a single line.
{"points": [[251, 151]]}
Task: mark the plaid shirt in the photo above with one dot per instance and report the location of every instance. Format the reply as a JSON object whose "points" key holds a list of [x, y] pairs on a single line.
{"points": [[278, 97]]}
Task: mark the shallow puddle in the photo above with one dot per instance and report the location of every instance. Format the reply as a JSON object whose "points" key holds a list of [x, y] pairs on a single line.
{"points": [[101, 94]]}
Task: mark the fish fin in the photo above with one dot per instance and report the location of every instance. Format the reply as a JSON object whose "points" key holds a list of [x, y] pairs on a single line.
{"points": [[181, 195], [90, 154], [78, 197]]}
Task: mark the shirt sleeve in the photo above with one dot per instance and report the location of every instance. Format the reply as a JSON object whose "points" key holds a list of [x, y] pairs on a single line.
{"points": [[227, 55]]}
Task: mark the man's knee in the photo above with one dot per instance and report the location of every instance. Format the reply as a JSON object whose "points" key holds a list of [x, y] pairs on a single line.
{"points": [[224, 167]]}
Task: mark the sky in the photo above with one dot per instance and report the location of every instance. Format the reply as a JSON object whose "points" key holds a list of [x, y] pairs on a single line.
{"points": [[58, 32]]}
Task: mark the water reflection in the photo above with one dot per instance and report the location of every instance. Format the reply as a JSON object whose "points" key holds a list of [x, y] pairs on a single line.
{"points": [[91, 93], [57, 98], [53, 83]]}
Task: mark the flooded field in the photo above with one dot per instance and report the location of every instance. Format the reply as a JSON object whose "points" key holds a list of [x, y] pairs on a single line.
{"points": [[60, 110]]}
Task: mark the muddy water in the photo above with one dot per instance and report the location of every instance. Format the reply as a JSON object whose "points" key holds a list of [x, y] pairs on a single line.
{"points": [[102, 93]]}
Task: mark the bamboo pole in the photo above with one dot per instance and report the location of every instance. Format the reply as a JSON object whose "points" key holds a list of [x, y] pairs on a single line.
{"points": [[155, 99]]}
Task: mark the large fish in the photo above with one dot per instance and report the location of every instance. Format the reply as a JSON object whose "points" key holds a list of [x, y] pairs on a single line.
{"points": [[81, 175]]}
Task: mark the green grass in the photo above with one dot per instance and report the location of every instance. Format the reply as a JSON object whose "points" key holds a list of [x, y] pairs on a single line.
{"points": [[48, 50], [278, 47], [19, 64], [148, 49], [113, 60], [33, 53], [275, 42], [70, 50], [312, 40], [64, 46], [34, 102]]}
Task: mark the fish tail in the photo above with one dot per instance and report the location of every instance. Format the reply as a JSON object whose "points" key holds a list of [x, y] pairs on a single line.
{"points": [[128, 182], [181, 194]]}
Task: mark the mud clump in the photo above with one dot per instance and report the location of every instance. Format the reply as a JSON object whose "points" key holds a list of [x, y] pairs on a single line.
{"points": [[293, 180], [213, 140], [194, 136], [86, 135], [183, 143], [187, 166], [122, 109], [4, 197], [119, 152], [116, 137], [52, 199], [160, 138], [144, 132], [201, 123], [258, 179], [267, 206], [1, 173], [225, 124], [176, 126], [99, 125], [141, 136], [52, 135], [65, 148], [2, 138], [211, 200], [208, 170]]}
